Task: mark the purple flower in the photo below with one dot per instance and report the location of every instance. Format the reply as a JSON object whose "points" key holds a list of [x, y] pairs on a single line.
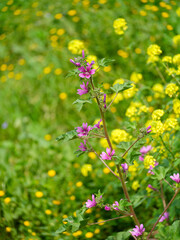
{"points": [[145, 149], [147, 129], [107, 208], [90, 204], [151, 187], [138, 231], [98, 124], [104, 100], [150, 170], [84, 89], [115, 205], [165, 216], [108, 155], [84, 130], [77, 64], [124, 166], [4, 125], [141, 158], [86, 72], [175, 177], [83, 147], [83, 54]]}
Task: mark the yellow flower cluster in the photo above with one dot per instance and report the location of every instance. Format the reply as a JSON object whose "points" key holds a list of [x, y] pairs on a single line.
{"points": [[171, 89], [76, 46], [176, 106], [120, 25], [133, 169], [119, 135], [85, 169], [158, 90], [135, 108], [176, 40], [149, 161], [157, 114], [170, 123], [176, 59], [154, 50], [129, 93], [135, 185], [136, 77], [157, 127], [167, 59]]}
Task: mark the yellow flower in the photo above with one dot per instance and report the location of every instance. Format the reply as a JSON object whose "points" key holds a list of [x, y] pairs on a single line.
{"points": [[107, 68], [97, 230], [157, 127], [3, 67], [47, 70], [104, 143], [47, 137], [169, 27], [60, 32], [159, 90], [85, 169], [63, 96], [138, 51], [92, 155], [120, 25], [8, 229], [17, 12], [39, 194], [176, 106], [76, 46], [51, 173], [157, 114], [167, 59], [101, 220], [154, 50], [176, 59], [106, 170], [72, 12], [58, 16], [89, 210], [119, 135], [170, 123], [2, 193], [58, 71], [79, 184], [171, 89], [56, 202], [76, 19], [89, 235], [26, 223], [119, 80], [165, 14], [143, 13], [136, 77], [7, 200], [122, 53], [135, 185], [48, 212], [149, 161], [129, 93], [178, 11], [176, 40], [72, 198]]}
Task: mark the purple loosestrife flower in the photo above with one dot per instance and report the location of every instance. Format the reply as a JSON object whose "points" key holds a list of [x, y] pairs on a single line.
{"points": [[84, 130], [86, 72], [98, 124], [115, 205], [148, 129], [107, 208], [175, 177], [90, 204], [151, 187], [84, 89], [83, 147], [145, 149], [108, 155], [83, 54], [124, 166], [138, 231], [165, 216]]}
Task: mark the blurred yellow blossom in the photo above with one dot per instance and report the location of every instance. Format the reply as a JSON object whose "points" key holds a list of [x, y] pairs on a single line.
{"points": [[47, 137], [135, 185], [157, 127], [79, 184], [58, 16], [136, 77], [51, 173], [119, 135], [48, 212], [167, 59], [157, 114], [7, 200], [8, 229], [39, 194], [149, 161], [171, 89], [154, 50], [120, 25], [89, 235], [72, 12], [106, 170], [92, 155], [85, 169], [176, 106], [2, 193], [176, 59], [56, 202], [76, 46], [63, 96], [176, 40], [26, 223]]}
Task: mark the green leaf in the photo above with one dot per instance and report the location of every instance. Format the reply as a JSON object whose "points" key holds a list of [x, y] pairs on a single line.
{"points": [[121, 87], [105, 62], [123, 235], [123, 203], [74, 72], [67, 136], [80, 103], [123, 145], [79, 153], [160, 173], [118, 160], [61, 229]]}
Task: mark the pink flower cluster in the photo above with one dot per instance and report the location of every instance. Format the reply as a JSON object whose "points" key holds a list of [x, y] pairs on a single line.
{"points": [[144, 150], [175, 177], [138, 231], [108, 155]]}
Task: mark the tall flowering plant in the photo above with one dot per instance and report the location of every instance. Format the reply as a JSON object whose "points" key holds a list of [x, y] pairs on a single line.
{"points": [[86, 133]]}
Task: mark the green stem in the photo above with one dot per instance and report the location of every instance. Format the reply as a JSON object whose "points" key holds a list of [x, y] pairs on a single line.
{"points": [[108, 220], [118, 167], [167, 147], [172, 199]]}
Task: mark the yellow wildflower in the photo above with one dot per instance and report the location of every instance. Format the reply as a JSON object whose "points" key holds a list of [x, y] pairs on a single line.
{"points": [[120, 25], [2, 193], [157, 114], [176, 106], [48, 212], [136, 77], [149, 161], [51, 173], [171, 89], [7, 200], [176, 59], [170, 123], [176, 40], [154, 50], [157, 127], [119, 135], [89, 235], [135, 185], [39, 194], [167, 59], [85, 169], [76, 46]]}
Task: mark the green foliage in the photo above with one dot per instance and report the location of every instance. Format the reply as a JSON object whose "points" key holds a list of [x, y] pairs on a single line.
{"points": [[79, 103], [169, 232], [121, 87], [67, 136], [160, 173], [105, 62]]}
